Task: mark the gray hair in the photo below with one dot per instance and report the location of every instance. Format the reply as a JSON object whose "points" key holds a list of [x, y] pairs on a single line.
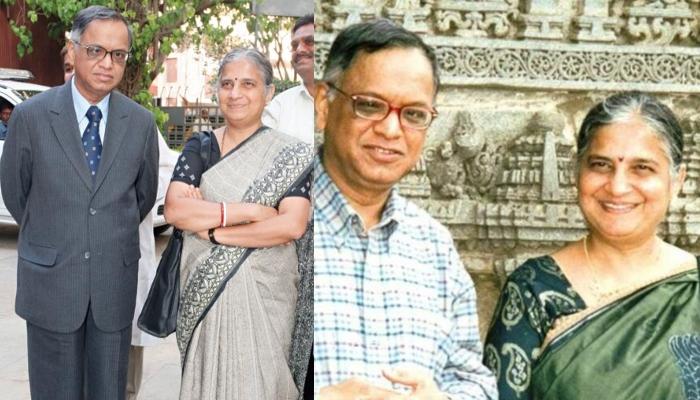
{"points": [[369, 37], [626, 106], [86, 15], [258, 59]]}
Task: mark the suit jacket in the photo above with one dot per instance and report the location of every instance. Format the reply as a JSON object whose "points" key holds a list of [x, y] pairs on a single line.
{"points": [[78, 243]]}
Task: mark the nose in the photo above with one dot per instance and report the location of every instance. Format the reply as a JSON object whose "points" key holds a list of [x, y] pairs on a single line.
{"points": [[619, 182], [390, 126], [235, 91], [104, 61]]}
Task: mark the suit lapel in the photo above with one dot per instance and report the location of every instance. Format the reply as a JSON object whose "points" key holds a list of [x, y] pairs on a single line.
{"points": [[114, 135], [65, 127]]}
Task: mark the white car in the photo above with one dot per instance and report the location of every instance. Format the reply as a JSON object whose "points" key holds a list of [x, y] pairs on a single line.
{"points": [[15, 92]]}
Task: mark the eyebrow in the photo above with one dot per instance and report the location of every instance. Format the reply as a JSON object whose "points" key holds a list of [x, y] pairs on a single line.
{"points": [[373, 94], [634, 160]]}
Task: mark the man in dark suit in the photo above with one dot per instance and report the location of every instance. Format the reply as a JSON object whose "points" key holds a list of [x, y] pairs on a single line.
{"points": [[78, 174]]}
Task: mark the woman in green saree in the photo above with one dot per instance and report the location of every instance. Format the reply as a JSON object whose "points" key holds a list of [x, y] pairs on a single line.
{"points": [[615, 315], [241, 211]]}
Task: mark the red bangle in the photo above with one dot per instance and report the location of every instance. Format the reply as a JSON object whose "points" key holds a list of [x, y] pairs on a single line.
{"points": [[221, 220]]}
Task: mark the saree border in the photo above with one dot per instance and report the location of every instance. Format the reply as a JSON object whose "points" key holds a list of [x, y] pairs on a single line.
{"points": [[209, 279], [564, 324]]}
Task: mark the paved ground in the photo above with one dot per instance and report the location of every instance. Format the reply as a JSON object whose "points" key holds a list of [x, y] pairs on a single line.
{"points": [[161, 376]]}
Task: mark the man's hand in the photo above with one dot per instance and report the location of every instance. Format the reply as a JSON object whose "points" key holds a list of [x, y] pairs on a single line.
{"points": [[422, 385], [356, 389]]}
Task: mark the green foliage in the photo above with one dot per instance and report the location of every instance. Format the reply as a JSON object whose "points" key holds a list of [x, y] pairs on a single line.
{"points": [[25, 38]]}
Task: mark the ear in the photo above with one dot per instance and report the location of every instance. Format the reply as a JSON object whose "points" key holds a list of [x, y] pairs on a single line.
{"points": [[678, 181], [270, 93], [321, 106]]}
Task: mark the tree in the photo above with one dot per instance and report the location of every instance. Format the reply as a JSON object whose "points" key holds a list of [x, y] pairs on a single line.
{"points": [[158, 26]]}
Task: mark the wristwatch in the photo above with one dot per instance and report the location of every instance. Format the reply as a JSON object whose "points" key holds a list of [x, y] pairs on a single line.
{"points": [[211, 236]]}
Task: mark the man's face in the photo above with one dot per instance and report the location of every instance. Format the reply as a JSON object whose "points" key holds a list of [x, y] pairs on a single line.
{"points": [[303, 52], [5, 114], [368, 156], [68, 64], [95, 77]]}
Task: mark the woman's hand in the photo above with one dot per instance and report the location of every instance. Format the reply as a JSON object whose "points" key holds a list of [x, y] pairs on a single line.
{"points": [[257, 212], [192, 192]]}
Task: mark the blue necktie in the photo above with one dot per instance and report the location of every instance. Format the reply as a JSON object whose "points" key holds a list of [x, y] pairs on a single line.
{"points": [[91, 140]]}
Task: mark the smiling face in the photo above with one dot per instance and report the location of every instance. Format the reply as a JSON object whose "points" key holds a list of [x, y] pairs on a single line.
{"points": [[303, 52], [242, 95], [371, 156], [95, 78], [625, 182]]}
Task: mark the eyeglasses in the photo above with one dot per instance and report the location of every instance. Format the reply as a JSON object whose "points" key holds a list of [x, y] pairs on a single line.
{"points": [[307, 40], [95, 52], [376, 109]]}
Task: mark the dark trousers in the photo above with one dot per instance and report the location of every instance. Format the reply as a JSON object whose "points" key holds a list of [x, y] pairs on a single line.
{"points": [[87, 364]]}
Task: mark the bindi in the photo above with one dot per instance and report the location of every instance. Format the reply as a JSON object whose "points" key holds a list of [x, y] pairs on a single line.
{"points": [[620, 159]]}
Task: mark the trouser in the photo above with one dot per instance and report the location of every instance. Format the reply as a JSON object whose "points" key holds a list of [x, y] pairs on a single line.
{"points": [[85, 364], [133, 380]]}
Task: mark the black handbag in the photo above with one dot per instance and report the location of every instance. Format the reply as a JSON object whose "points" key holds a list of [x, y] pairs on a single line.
{"points": [[159, 314]]}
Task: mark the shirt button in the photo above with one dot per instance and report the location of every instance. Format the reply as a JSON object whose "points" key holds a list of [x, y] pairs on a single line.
{"points": [[87, 255], [93, 211]]}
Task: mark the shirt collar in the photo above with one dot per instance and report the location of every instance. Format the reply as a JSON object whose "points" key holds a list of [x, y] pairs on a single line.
{"points": [[81, 104], [305, 92], [340, 216]]}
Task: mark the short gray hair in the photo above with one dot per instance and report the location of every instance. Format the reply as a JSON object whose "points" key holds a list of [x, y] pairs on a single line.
{"points": [[625, 106], [86, 15], [369, 37], [251, 54]]}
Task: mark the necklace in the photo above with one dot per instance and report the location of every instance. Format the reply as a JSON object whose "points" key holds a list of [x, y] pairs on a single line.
{"points": [[594, 284]]}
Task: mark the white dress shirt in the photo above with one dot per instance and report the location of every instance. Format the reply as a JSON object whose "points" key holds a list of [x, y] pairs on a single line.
{"points": [[292, 112]]}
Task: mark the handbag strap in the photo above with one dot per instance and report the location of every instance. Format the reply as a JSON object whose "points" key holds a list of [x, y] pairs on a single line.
{"points": [[205, 148]]}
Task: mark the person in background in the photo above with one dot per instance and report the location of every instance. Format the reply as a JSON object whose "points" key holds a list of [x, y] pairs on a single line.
{"points": [[292, 111], [5, 112], [615, 315], [67, 61], [394, 308], [78, 176]]}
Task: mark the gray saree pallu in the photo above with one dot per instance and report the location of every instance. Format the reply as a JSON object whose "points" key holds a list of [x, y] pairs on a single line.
{"points": [[237, 308]]}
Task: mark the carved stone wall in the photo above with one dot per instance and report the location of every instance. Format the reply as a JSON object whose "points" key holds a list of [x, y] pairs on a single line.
{"points": [[518, 77]]}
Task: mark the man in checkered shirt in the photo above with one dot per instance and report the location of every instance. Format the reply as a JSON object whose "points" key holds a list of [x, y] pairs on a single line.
{"points": [[394, 309]]}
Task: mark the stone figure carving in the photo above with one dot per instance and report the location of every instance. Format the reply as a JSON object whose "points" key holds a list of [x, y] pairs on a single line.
{"points": [[465, 164]]}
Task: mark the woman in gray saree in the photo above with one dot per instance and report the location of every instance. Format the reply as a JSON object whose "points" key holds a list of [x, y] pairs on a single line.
{"points": [[239, 270]]}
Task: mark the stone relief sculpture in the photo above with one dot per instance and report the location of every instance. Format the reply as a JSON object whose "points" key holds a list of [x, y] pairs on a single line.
{"points": [[517, 78]]}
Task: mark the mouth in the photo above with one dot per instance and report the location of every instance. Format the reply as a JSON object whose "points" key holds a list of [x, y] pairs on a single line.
{"points": [[383, 154], [617, 208], [104, 78], [300, 58]]}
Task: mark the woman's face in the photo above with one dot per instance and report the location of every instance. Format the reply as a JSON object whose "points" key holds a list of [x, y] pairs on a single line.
{"points": [[625, 185], [242, 95]]}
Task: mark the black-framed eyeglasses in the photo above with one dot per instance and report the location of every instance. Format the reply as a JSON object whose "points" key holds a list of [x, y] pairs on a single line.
{"points": [[95, 52], [376, 109]]}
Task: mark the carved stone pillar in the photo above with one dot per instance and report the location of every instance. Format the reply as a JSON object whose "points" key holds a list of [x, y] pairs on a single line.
{"points": [[544, 20], [348, 12], [410, 15], [595, 24]]}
